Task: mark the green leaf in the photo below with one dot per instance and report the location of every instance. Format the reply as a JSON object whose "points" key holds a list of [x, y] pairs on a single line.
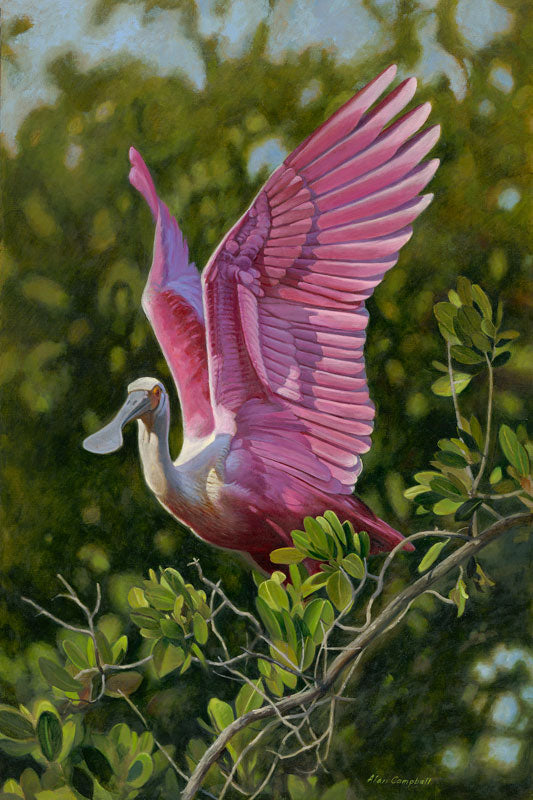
{"points": [[301, 541], [514, 452], [313, 583], [104, 649], [446, 506], [451, 459], [501, 359], [274, 595], [468, 439], [171, 629], [321, 542], [476, 431], [482, 301], [136, 598], [123, 683], [495, 476], [413, 491], [220, 712], [249, 698], [58, 677], [459, 596], [50, 735], [468, 509], [465, 355], [431, 555], [464, 290], [286, 555], [488, 328], [167, 658], [467, 322], [82, 783], [506, 336], [312, 614], [200, 629], [454, 298], [445, 314], [146, 618], [442, 388], [354, 566], [269, 618], [481, 579], [14, 725], [97, 764], [159, 597], [141, 770], [445, 487], [339, 590], [119, 648], [335, 523], [75, 654], [364, 538], [439, 366]]}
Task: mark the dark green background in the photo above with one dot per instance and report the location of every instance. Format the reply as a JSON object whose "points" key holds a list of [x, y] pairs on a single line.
{"points": [[77, 250]]}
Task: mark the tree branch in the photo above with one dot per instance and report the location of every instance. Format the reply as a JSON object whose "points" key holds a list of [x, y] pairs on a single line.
{"points": [[355, 648]]}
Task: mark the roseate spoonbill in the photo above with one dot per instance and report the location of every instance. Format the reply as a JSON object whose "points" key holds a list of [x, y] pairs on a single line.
{"points": [[266, 348]]}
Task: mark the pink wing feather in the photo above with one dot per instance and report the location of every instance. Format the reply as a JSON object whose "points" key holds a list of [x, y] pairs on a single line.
{"points": [[285, 290], [172, 301]]}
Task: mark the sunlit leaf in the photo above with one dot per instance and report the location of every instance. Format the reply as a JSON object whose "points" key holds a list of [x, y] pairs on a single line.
{"points": [[353, 565], [442, 385], [221, 713], [286, 555], [446, 506], [167, 658], [482, 301], [495, 476], [339, 590], [431, 555], [249, 698], [200, 630], [514, 452]]}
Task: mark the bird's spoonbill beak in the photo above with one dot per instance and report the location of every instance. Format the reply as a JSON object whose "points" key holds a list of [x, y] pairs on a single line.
{"points": [[109, 438]]}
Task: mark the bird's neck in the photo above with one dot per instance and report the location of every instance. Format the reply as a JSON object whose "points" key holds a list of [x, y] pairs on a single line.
{"points": [[158, 469]]}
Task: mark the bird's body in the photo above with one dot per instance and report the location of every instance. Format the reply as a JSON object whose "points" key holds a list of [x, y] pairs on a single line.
{"points": [[266, 350]]}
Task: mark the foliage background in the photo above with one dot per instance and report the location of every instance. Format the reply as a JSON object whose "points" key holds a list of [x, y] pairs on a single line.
{"points": [[446, 698]]}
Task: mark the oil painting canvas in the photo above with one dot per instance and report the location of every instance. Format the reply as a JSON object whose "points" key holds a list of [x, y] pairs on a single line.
{"points": [[266, 369]]}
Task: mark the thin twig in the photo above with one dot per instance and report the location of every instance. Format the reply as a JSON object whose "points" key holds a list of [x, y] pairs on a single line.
{"points": [[55, 619]]}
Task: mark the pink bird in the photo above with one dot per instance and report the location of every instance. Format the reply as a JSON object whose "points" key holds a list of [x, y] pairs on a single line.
{"points": [[266, 348]]}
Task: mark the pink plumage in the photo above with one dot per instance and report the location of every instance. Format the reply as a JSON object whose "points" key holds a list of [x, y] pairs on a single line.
{"points": [[275, 372]]}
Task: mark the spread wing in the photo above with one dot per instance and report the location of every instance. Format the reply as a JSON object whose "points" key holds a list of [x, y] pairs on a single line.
{"points": [[172, 301], [285, 291]]}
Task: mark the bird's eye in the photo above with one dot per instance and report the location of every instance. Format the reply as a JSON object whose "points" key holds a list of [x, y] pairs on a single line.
{"points": [[156, 391]]}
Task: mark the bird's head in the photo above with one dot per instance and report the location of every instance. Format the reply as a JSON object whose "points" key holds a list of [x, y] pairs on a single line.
{"points": [[147, 400]]}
